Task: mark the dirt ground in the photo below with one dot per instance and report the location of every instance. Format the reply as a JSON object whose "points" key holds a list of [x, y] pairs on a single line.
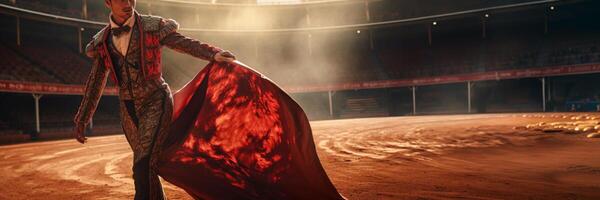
{"points": [[489, 156]]}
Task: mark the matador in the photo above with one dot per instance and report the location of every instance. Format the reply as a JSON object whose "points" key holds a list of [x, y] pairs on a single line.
{"points": [[129, 50]]}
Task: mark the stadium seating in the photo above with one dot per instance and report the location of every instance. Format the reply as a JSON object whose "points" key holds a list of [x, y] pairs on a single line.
{"points": [[461, 59], [17, 68], [71, 67], [58, 7]]}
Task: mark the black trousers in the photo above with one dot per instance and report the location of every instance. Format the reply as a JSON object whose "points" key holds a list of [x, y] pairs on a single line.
{"points": [[141, 178], [142, 182]]}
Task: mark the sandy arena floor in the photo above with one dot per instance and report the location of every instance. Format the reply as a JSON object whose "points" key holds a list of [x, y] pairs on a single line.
{"points": [[492, 156]]}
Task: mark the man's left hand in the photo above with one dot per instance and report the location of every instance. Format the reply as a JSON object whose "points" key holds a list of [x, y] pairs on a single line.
{"points": [[224, 56]]}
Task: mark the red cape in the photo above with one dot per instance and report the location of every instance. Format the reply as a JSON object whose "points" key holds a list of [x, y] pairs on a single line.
{"points": [[236, 135]]}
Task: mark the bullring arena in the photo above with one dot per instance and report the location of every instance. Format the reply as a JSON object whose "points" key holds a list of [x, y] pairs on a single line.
{"points": [[411, 99], [483, 156]]}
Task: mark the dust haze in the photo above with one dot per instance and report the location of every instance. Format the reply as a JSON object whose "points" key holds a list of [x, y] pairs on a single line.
{"points": [[287, 57]]}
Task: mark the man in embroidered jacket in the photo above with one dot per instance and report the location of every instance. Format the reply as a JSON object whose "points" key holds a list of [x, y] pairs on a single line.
{"points": [[129, 50]]}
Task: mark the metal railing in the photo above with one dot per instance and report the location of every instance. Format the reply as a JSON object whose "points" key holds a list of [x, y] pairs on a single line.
{"points": [[35, 15]]}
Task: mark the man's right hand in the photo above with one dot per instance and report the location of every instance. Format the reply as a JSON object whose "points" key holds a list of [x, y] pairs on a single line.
{"points": [[79, 133], [224, 56]]}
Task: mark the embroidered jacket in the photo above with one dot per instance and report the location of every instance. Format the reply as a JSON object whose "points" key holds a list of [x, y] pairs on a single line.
{"points": [[153, 33]]}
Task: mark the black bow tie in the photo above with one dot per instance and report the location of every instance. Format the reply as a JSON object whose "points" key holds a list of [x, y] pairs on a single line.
{"points": [[120, 30]]}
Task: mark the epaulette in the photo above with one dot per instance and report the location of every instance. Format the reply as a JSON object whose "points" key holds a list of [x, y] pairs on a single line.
{"points": [[90, 48], [98, 38], [161, 26], [150, 22]]}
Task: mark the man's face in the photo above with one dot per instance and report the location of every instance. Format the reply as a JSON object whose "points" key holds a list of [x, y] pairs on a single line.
{"points": [[121, 8]]}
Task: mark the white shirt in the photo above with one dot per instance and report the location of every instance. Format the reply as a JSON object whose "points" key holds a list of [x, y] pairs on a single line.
{"points": [[122, 41]]}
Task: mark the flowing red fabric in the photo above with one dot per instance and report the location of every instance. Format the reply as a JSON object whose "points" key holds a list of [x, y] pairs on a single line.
{"points": [[237, 135]]}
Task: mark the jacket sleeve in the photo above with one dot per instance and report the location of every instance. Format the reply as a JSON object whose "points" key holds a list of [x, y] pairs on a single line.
{"points": [[169, 37], [93, 90]]}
